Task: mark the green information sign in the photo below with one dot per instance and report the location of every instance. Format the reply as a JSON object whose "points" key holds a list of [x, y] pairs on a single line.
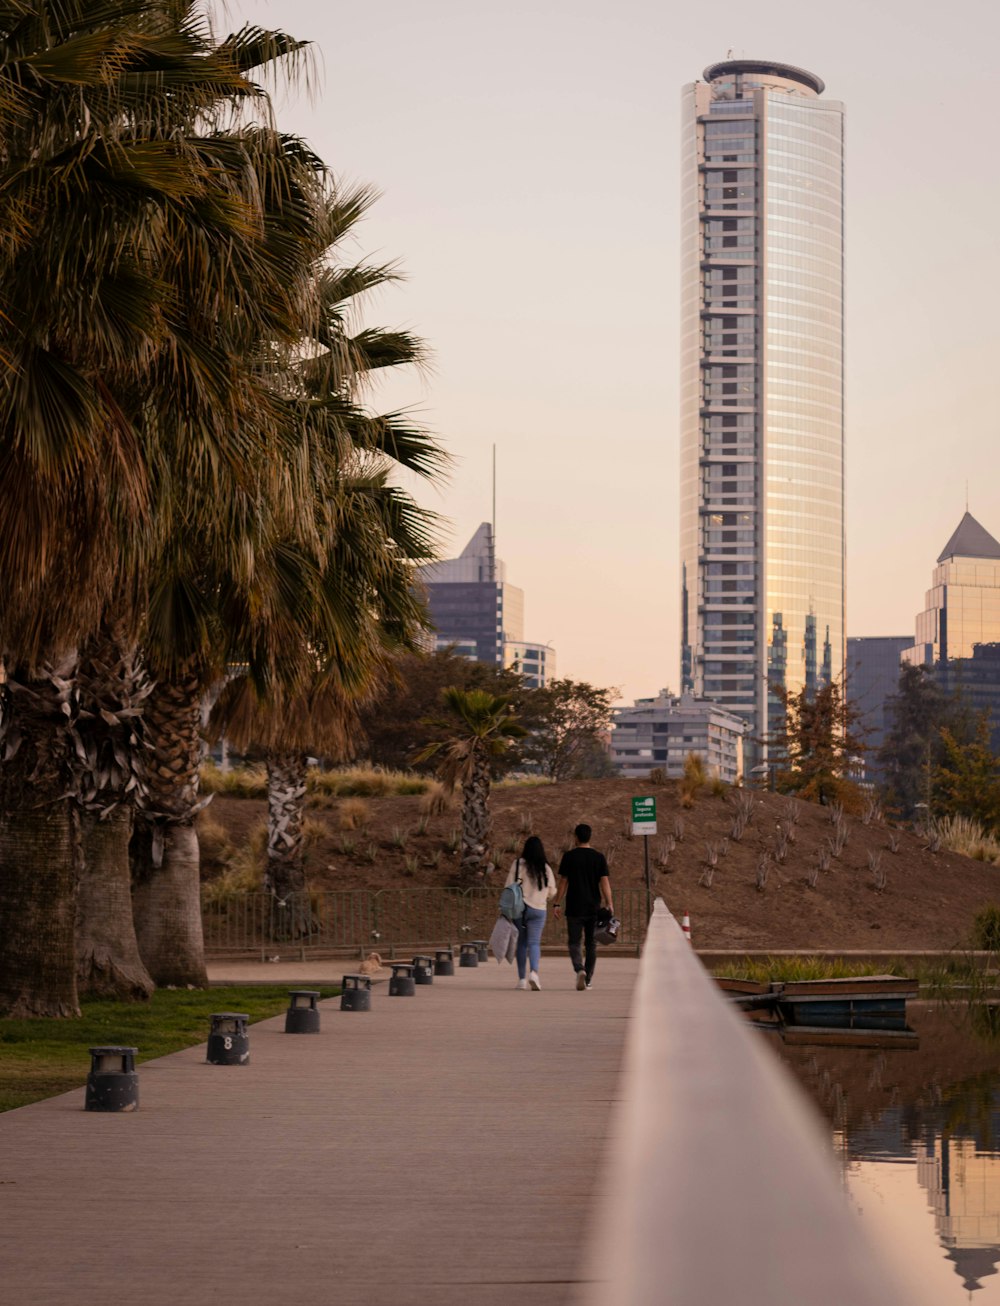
{"points": [[643, 815]]}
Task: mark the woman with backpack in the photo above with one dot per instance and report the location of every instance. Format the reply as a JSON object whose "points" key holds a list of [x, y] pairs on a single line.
{"points": [[537, 882]]}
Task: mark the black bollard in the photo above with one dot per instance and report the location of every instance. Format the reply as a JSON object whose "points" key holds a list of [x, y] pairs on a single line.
{"points": [[112, 1084], [482, 949], [423, 969], [444, 962], [402, 983], [302, 1016], [468, 956], [228, 1042], [356, 994]]}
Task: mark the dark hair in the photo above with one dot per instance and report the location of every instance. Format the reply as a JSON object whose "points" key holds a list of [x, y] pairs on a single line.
{"points": [[533, 856], [583, 833]]}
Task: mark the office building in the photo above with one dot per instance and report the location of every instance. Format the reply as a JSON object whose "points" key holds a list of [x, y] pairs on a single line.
{"points": [[958, 633], [478, 613], [872, 679], [660, 733], [962, 607], [762, 411]]}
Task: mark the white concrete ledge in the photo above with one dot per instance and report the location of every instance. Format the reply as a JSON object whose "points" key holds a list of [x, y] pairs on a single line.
{"points": [[719, 1187]]}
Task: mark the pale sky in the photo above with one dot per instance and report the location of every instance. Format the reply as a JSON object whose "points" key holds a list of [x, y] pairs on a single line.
{"points": [[528, 159]]}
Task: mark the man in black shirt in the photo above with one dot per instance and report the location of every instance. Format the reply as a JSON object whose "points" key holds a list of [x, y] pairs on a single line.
{"points": [[584, 887]]}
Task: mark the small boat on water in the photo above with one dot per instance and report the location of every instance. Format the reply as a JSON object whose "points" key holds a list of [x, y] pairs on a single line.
{"points": [[845, 1012]]}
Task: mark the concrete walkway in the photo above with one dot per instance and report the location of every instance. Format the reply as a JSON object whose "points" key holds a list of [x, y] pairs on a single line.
{"points": [[441, 1149]]}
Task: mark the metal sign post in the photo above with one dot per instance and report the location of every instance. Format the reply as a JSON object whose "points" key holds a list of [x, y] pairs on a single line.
{"points": [[644, 824]]}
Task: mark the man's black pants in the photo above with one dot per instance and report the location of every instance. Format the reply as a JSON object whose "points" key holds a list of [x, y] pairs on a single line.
{"points": [[582, 927]]}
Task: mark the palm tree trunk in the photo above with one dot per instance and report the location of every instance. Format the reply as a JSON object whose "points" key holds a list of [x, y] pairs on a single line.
{"points": [[286, 798], [165, 860], [285, 876], [112, 687], [476, 823], [39, 845], [108, 964]]}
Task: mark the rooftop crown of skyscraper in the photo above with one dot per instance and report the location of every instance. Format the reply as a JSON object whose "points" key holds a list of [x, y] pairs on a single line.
{"points": [[769, 71]]}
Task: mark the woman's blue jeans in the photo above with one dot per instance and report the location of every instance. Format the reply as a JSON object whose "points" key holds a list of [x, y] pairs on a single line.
{"points": [[529, 940]]}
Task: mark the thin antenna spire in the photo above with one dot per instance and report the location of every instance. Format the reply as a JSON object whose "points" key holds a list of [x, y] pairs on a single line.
{"points": [[493, 551]]}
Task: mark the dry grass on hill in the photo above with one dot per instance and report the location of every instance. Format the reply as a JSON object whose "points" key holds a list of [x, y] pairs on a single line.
{"points": [[928, 900]]}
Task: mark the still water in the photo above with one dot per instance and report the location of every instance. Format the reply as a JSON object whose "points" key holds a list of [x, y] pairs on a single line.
{"points": [[916, 1133]]}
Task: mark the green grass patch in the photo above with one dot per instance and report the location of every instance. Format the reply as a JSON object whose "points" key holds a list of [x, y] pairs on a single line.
{"points": [[791, 970], [40, 1058]]}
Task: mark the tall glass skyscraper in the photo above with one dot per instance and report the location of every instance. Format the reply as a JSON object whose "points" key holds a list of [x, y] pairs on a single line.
{"points": [[762, 397]]}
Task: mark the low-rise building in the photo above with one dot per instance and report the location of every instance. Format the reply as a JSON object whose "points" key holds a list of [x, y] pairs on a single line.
{"points": [[660, 733]]}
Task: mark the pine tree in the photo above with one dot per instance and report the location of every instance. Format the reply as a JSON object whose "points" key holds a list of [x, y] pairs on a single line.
{"points": [[819, 740]]}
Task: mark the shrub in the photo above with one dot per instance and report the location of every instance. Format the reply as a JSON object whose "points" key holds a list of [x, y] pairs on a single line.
{"points": [[435, 800], [240, 782], [658, 776], [986, 928], [214, 844], [718, 788], [313, 832], [234, 882], [353, 813], [245, 870], [366, 782], [695, 778], [962, 834]]}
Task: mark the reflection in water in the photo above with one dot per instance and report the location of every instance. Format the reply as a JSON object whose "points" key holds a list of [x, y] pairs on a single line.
{"points": [[934, 1113]]}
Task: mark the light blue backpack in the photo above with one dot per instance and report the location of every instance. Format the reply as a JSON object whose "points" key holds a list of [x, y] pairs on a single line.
{"points": [[512, 901]]}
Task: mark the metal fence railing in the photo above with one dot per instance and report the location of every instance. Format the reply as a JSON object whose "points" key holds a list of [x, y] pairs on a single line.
{"points": [[332, 920]]}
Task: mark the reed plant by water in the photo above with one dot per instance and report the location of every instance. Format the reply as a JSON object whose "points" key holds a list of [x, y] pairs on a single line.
{"points": [[789, 970]]}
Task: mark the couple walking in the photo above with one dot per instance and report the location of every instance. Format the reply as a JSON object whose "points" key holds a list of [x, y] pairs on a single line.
{"points": [[584, 887]]}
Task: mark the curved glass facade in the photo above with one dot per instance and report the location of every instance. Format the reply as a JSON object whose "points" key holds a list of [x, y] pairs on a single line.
{"points": [[762, 432]]}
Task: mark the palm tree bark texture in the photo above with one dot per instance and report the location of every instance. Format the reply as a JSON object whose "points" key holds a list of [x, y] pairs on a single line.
{"points": [[477, 824], [285, 875], [39, 843], [112, 689], [165, 857]]}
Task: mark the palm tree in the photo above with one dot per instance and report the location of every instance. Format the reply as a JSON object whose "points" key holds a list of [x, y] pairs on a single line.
{"points": [[210, 610], [373, 534], [129, 208], [479, 730], [369, 610]]}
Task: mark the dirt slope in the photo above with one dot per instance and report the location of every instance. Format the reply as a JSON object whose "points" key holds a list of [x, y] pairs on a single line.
{"points": [[928, 902]]}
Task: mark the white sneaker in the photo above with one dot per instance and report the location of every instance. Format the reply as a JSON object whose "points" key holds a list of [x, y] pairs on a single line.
{"points": [[581, 981], [536, 983], [522, 984]]}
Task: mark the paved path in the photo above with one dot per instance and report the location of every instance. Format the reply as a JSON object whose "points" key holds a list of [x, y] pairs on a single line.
{"points": [[442, 1149]]}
